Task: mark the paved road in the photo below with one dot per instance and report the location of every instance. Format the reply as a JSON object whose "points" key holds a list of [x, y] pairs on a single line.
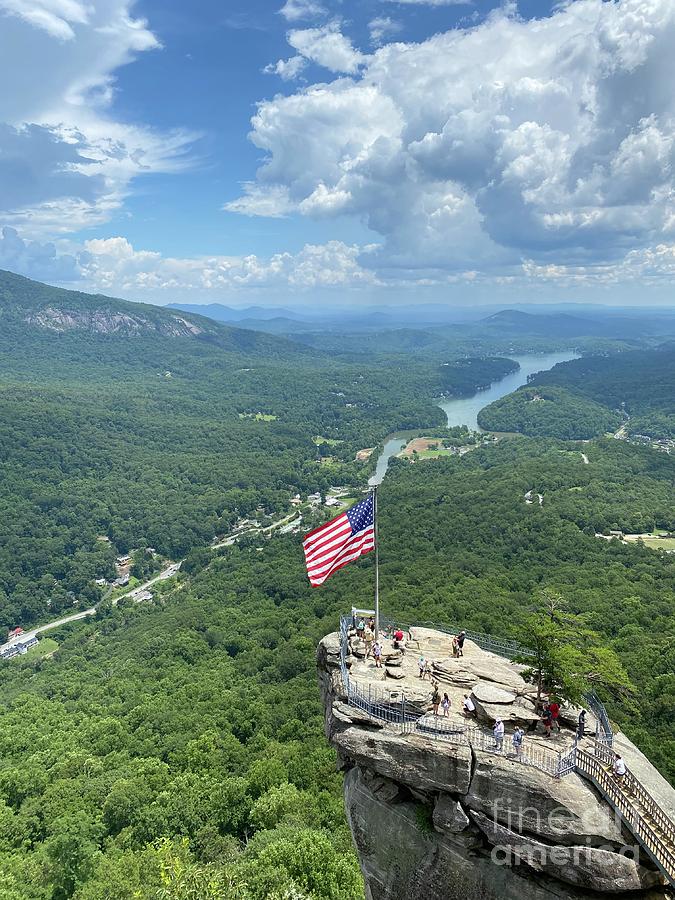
{"points": [[234, 538], [169, 572], [83, 614]]}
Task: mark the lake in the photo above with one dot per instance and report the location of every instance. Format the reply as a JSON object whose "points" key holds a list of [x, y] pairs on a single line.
{"points": [[464, 410]]}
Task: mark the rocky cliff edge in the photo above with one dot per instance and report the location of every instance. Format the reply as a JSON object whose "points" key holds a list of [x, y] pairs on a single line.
{"points": [[432, 819]]}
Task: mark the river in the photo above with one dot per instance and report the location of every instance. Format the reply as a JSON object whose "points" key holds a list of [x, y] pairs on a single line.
{"points": [[464, 410]]}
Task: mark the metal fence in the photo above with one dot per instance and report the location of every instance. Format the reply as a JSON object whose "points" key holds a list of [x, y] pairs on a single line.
{"points": [[603, 729], [652, 827], [501, 647], [410, 717], [654, 830], [498, 645]]}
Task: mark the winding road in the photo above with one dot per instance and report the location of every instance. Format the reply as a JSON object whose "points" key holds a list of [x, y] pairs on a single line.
{"points": [[168, 572]]}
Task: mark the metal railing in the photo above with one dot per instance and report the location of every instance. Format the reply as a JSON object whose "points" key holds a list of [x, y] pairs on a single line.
{"points": [[410, 717], [651, 826], [603, 729], [653, 829], [500, 646]]}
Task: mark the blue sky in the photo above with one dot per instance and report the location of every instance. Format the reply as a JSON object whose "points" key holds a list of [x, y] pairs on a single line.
{"points": [[323, 151]]}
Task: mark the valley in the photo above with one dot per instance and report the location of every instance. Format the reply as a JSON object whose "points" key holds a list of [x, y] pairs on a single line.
{"points": [[185, 733]]}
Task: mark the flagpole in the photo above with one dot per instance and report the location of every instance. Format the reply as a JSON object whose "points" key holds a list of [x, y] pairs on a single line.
{"points": [[377, 567]]}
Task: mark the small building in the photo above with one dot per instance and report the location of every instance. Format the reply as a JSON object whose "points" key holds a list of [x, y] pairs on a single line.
{"points": [[15, 632], [140, 596], [25, 645], [123, 560], [122, 580], [101, 582]]}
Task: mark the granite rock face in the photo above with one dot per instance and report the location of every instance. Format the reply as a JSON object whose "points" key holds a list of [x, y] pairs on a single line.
{"points": [[433, 820]]}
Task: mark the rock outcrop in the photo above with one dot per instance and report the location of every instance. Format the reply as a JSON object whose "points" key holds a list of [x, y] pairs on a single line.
{"points": [[437, 820], [109, 321]]}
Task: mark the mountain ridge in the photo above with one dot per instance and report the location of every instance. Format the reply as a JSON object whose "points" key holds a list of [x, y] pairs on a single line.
{"points": [[25, 303]]}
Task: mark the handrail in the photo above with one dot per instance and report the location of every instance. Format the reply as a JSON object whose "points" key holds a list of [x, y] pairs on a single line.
{"points": [[510, 650], [652, 827], [397, 711]]}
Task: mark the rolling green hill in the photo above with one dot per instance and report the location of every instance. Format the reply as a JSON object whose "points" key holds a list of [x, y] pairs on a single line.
{"points": [[151, 427]]}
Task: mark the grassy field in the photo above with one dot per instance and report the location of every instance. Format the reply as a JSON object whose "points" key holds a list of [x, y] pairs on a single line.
{"points": [[259, 417], [656, 540], [332, 442], [433, 454], [42, 649]]}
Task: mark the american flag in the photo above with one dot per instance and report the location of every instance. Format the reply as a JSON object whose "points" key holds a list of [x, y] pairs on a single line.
{"points": [[331, 546]]}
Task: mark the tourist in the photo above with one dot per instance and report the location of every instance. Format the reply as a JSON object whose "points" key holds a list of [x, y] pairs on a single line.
{"points": [[421, 665], [377, 654], [398, 640], [468, 707], [619, 767], [371, 624], [455, 647], [547, 719], [445, 704], [435, 698], [360, 627], [581, 725], [498, 732], [427, 670], [461, 637], [517, 740], [554, 708], [369, 638]]}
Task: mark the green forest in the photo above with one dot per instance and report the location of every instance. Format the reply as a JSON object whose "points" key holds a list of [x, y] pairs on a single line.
{"points": [[174, 750], [179, 747], [150, 438]]}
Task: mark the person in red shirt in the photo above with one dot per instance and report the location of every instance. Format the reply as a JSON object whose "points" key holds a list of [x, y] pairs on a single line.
{"points": [[554, 709]]}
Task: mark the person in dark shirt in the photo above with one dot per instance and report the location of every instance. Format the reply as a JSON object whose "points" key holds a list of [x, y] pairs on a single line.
{"points": [[581, 724], [547, 721], [461, 637]]}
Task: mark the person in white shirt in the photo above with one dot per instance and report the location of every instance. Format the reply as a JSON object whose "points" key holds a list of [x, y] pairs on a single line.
{"points": [[498, 732], [468, 706], [619, 767]]}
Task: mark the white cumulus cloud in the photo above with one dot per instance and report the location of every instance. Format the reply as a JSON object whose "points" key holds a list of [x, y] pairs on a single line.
{"points": [[381, 28], [327, 47], [550, 139], [65, 160], [113, 265], [297, 10]]}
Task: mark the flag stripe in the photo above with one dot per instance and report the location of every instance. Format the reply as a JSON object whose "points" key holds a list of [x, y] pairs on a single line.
{"points": [[354, 544], [315, 583], [346, 537], [317, 578], [329, 549], [332, 537]]}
